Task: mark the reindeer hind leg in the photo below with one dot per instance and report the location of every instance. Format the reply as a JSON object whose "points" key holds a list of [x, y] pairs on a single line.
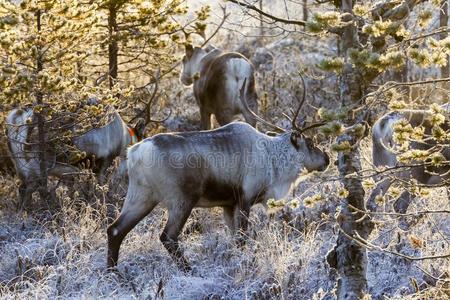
{"points": [[137, 205], [224, 117], [178, 215], [380, 189], [26, 189], [205, 119]]}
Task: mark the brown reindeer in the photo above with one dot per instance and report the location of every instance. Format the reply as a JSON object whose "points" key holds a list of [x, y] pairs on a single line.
{"points": [[217, 77]]}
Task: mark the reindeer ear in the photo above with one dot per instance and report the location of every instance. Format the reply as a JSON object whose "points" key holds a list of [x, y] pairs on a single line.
{"points": [[139, 128], [296, 139], [189, 49]]}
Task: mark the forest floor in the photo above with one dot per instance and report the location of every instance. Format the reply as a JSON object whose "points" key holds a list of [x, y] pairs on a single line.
{"points": [[63, 254]]}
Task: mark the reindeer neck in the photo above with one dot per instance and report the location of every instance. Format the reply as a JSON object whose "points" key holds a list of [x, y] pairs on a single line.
{"points": [[286, 162], [208, 58]]}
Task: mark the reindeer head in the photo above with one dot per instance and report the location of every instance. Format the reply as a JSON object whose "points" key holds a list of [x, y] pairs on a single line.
{"points": [[191, 63], [312, 157], [193, 56], [139, 128], [143, 116]]}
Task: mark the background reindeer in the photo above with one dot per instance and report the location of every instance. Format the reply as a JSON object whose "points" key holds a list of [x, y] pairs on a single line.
{"points": [[217, 77], [384, 154], [101, 144], [234, 167]]}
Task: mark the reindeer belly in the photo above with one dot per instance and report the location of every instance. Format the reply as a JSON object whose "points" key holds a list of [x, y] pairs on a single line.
{"points": [[219, 193], [207, 203]]}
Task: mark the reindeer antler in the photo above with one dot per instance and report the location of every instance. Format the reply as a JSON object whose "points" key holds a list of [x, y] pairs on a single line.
{"points": [[314, 125], [297, 112], [186, 34], [258, 118], [147, 110], [301, 128]]}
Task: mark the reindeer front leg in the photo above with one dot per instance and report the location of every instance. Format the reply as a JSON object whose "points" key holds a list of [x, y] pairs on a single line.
{"points": [[138, 204], [26, 190], [228, 216], [205, 119], [242, 212], [104, 164]]}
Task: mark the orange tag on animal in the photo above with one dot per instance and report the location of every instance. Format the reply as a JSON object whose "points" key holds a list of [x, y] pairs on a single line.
{"points": [[132, 135]]}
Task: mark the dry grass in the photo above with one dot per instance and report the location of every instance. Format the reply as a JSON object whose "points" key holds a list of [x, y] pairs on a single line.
{"points": [[43, 259], [61, 252]]}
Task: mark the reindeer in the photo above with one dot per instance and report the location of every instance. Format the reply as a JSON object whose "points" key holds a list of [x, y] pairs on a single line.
{"points": [[384, 155], [102, 144], [234, 167], [216, 90]]}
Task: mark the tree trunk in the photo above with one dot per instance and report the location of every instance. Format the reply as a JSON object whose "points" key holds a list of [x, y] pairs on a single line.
{"points": [[42, 141], [443, 22], [348, 257], [113, 47], [305, 11], [261, 23]]}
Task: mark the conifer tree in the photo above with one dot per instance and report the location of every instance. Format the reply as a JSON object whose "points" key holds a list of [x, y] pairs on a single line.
{"points": [[41, 45], [140, 37]]}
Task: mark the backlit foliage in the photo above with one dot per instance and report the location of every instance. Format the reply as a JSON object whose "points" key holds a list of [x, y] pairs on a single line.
{"points": [[147, 34], [55, 55], [382, 48], [58, 46], [387, 40], [405, 135]]}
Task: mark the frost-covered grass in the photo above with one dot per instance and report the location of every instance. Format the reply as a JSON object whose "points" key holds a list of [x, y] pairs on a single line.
{"points": [[43, 259], [63, 255]]}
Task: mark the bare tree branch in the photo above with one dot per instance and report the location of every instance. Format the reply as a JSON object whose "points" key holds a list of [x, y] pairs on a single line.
{"points": [[272, 17], [372, 247], [224, 18]]}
